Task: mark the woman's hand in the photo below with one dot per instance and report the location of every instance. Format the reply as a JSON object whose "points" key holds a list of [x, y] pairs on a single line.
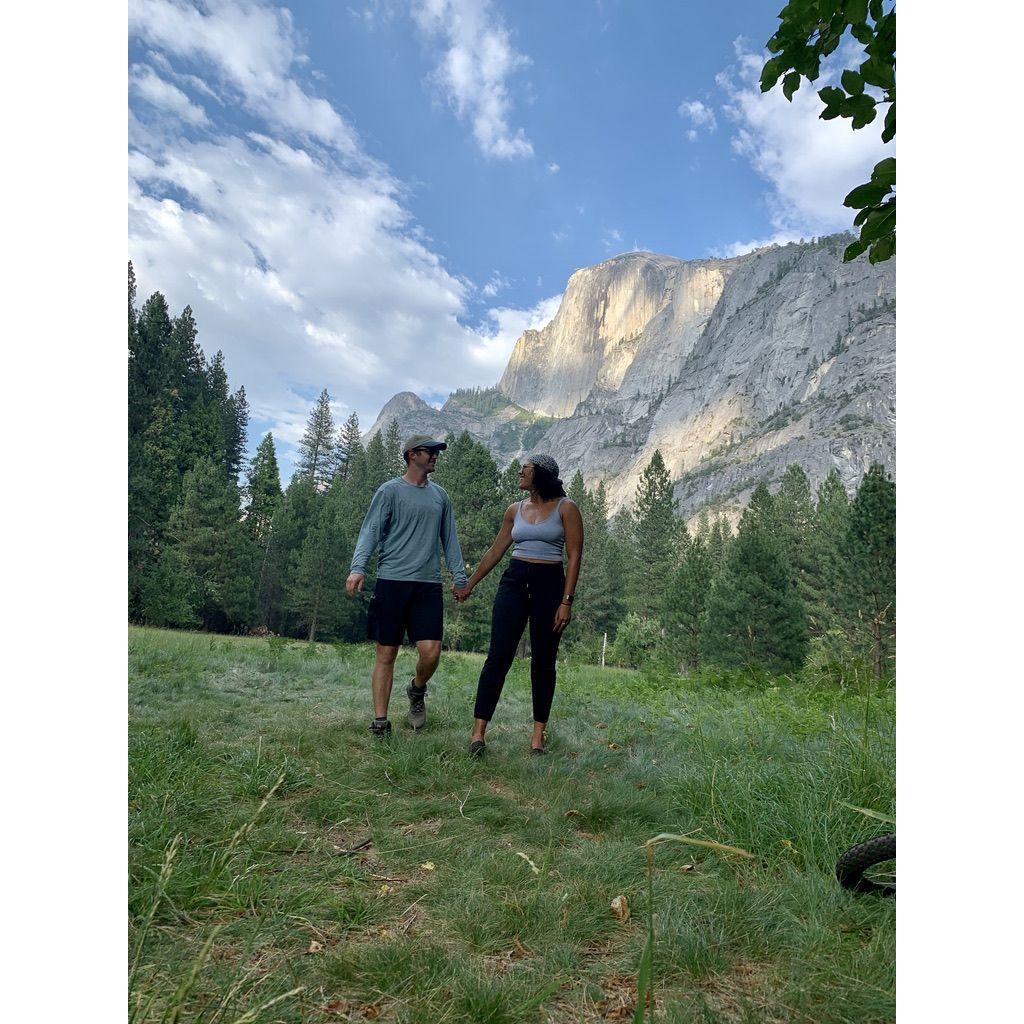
{"points": [[562, 617], [461, 593]]}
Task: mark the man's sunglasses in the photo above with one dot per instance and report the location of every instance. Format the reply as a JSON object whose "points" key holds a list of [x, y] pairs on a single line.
{"points": [[429, 451]]}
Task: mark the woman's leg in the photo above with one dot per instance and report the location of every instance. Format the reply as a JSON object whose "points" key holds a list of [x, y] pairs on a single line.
{"points": [[508, 620], [545, 596]]}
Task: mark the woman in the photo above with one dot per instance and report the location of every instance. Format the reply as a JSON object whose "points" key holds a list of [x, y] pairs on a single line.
{"points": [[533, 587]]}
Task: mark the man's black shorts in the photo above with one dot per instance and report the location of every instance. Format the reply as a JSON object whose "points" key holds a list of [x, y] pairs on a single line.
{"points": [[401, 605]]}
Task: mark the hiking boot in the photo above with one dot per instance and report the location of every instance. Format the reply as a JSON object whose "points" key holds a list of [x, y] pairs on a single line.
{"points": [[381, 730], [417, 716], [477, 748]]}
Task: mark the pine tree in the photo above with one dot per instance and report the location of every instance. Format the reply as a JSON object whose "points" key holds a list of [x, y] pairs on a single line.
{"points": [[133, 313], [349, 447], [316, 592], [469, 474], [168, 592], [316, 449], [825, 556], [378, 466], [794, 516], [236, 432], [719, 542], [868, 576], [393, 450], [189, 370], [215, 547], [289, 525], [263, 490], [233, 414], [754, 615], [148, 361], [508, 484], [655, 538], [687, 598]]}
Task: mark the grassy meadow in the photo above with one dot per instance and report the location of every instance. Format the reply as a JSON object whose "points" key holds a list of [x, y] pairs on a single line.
{"points": [[286, 866]]}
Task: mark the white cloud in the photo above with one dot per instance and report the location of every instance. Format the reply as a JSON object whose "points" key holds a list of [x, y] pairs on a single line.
{"points": [[294, 250], [253, 48], [496, 284], [474, 70], [169, 98], [809, 164], [493, 348], [553, 168], [701, 116], [612, 238], [560, 235]]}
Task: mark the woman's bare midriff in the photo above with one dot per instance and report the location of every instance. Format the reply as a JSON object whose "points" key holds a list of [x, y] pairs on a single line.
{"points": [[536, 561]]}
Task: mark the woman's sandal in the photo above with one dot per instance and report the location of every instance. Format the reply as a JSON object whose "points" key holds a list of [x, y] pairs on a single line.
{"points": [[538, 751], [477, 748]]}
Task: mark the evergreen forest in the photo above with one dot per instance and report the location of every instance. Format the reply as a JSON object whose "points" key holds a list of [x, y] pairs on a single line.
{"points": [[805, 583]]}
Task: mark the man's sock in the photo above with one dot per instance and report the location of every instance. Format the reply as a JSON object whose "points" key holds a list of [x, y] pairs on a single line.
{"points": [[381, 720], [420, 689]]}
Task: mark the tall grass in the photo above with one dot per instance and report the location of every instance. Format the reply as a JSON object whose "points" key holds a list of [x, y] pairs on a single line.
{"points": [[287, 867]]}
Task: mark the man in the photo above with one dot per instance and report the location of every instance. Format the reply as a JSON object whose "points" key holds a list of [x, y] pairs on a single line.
{"points": [[407, 517]]}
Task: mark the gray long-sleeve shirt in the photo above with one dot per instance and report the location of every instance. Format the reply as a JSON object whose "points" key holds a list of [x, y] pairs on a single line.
{"points": [[407, 522]]}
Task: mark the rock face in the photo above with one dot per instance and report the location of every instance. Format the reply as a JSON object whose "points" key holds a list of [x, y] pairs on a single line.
{"points": [[731, 368]]}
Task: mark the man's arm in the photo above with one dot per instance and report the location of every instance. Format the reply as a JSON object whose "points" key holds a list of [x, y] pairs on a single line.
{"points": [[370, 533], [450, 541]]}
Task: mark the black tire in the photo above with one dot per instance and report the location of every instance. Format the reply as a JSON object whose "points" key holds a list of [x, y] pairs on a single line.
{"points": [[852, 865]]}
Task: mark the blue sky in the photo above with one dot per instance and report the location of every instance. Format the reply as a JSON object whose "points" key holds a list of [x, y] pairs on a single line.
{"points": [[381, 196]]}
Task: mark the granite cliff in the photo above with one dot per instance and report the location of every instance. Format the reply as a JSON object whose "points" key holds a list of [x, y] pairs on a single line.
{"points": [[732, 368]]}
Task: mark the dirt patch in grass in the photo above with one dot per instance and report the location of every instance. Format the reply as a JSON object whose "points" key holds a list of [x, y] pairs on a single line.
{"points": [[730, 996]]}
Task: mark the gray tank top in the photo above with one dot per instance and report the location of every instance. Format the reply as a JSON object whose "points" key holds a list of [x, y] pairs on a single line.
{"points": [[544, 540]]}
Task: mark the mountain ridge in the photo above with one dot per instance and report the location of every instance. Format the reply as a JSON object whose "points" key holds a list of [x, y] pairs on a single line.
{"points": [[732, 368]]}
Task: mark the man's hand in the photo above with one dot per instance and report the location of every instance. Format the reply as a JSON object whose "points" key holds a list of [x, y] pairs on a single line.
{"points": [[354, 583], [461, 593], [562, 617]]}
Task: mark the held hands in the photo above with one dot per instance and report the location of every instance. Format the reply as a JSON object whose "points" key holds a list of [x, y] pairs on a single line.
{"points": [[461, 593], [562, 617], [354, 583]]}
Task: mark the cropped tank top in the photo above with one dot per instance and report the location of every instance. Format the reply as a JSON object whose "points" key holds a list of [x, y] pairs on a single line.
{"points": [[544, 540]]}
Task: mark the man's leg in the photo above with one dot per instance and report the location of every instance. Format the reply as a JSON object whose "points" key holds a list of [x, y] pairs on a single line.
{"points": [[426, 628], [383, 677], [429, 652]]}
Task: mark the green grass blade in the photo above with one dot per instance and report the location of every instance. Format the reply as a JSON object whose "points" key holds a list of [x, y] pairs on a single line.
{"points": [[868, 813]]}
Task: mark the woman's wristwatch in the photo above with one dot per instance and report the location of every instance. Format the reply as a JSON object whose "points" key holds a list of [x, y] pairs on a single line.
{"points": [[568, 599]]}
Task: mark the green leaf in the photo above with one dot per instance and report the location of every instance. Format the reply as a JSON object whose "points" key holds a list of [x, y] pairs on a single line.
{"points": [[884, 172], [875, 7], [861, 33], [853, 250], [790, 84], [770, 73], [831, 96], [889, 131], [852, 83], [880, 221], [862, 109], [857, 11], [878, 73], [883, 249], [868, 194], [643, 980]]}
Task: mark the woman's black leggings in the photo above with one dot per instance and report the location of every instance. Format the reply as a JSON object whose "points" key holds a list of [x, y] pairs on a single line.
{"points": [[528, 590]]}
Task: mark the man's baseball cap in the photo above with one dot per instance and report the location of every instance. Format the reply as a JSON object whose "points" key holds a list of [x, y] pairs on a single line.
{"points": [[423, 441]]}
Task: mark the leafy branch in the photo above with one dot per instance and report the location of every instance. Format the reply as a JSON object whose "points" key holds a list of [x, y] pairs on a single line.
{"points": [[811, 30]]}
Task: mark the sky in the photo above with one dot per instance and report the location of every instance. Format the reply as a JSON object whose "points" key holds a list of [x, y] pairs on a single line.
{"points": [[380, 196]]}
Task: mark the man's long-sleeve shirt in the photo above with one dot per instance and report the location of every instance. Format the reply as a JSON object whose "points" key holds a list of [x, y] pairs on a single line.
{"points": [[406, 522]]}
